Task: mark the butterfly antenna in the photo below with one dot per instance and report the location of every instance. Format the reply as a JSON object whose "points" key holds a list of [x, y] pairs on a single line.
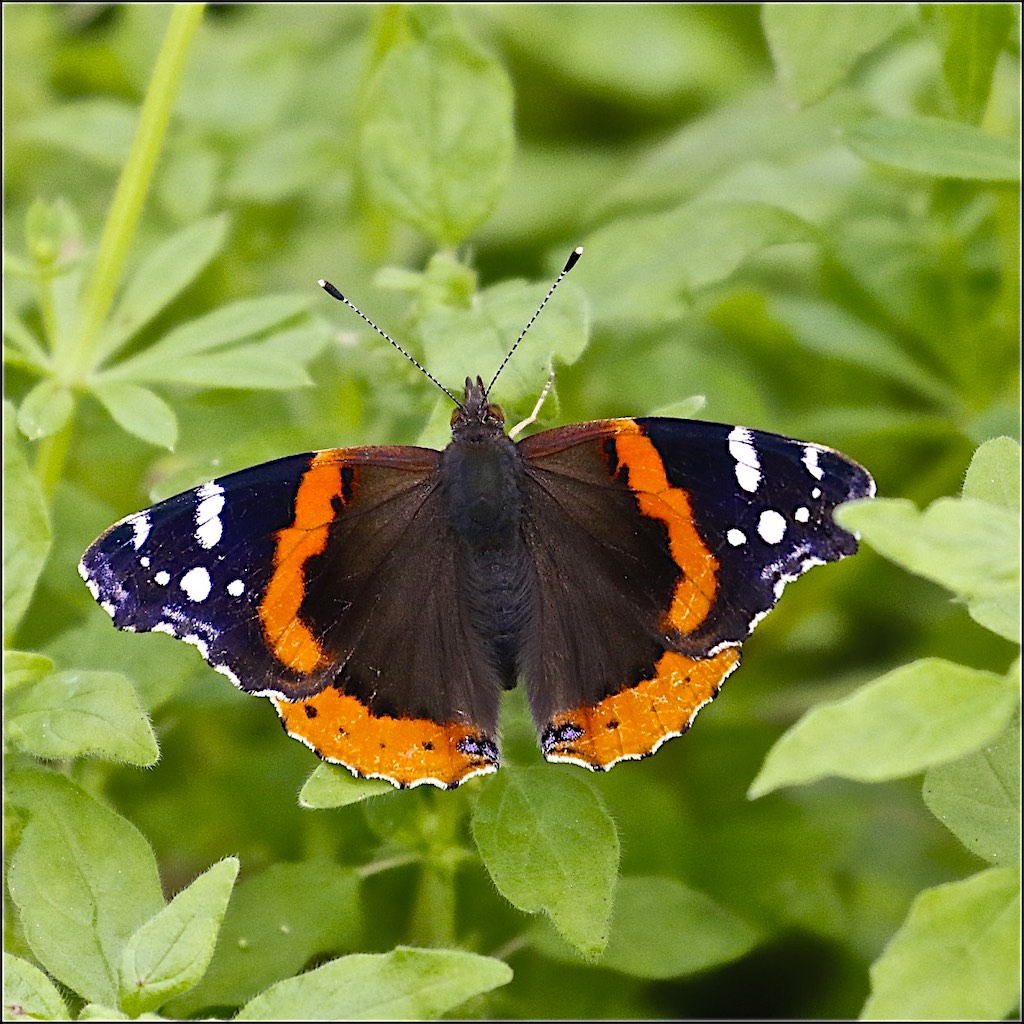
{"points": [[569, 264], [335, 294]]}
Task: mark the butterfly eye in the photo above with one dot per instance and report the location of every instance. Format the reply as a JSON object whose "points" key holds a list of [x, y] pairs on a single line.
{"points": [[455, 415], [495, 412]]}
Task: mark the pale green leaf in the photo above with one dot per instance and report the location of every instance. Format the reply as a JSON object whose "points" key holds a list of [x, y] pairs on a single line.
{"points": [[29, 994], [969, 546], [829, 330], [664, 929], [976, 34], [29, 352], [161, 277], [332, 786], [698, 245], [274, 927], [922, 714], [957, 956], [549, 845], [100, 130], [459, 343], [83, 879], [227, 325], [45, 410], [22, 668], [139, 411], [437, 144], [936, 148], [405, 984], [171, 951], [77, 713], [26, 527], [978, 798], [684, 409], [994, 474], [815, 46]]}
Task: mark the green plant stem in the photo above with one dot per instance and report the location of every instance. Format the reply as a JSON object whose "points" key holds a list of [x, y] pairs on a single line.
{"points": [[136, 177], [51, 454], [86, 351], [432, 922]]}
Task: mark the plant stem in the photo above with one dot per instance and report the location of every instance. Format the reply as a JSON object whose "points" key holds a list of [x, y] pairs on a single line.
{"points": [[136, 177]]}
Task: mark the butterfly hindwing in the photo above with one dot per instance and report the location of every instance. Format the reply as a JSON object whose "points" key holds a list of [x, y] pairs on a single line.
{"points": [[682, 536]]}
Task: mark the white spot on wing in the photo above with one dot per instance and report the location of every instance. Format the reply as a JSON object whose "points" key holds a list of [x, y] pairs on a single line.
{"points": [[209, 527], [801, 515], [162, 578], [810, 460], [771, 526], [140, 529], [744, 454], [737, 538], [196, 583], [236, 588]]}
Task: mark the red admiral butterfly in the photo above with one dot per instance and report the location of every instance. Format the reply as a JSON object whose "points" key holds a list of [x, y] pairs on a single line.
{"points": [[383, 597]]}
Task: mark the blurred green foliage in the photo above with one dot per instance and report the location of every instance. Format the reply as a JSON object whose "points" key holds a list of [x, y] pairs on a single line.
{"points": [[807, 214]]}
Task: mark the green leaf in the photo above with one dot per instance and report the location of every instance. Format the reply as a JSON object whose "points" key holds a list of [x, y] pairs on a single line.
{"points": [[957, 956], [29, 352], [969, 546], [275, 926], [287, 162], [99, 1012], [550, 845], [83, 879], [978, 798], [45, 410], [29, 994], [684, 409], [815, 46], [161, 277], [227, 325], [922, 714], [171, 951], [664, 929], [437, 144], [994, 474], [698, 245], [829, 330], [939, 149], [139, 411], [405, 984], [480, 338], [976, 36], [274, 363], [76, 713], [26, 527], [100, 130], [332, 786], [22, 668]]}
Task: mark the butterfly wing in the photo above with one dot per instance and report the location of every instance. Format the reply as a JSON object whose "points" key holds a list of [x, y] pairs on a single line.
{"points": [[658, 545], [315, 580]]}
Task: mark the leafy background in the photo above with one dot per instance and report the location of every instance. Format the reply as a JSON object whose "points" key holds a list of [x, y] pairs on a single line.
{"points": [[808, 215]]}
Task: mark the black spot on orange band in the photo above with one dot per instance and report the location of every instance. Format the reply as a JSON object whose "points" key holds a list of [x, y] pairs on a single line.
{"points": [[405, 751], [635, 722]]}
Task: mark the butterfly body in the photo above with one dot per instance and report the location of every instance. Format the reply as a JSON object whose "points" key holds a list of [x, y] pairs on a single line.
{"points": [[384, 597]]}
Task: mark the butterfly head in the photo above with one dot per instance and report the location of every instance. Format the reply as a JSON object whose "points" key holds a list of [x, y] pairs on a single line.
{"points": [[476, 417]]}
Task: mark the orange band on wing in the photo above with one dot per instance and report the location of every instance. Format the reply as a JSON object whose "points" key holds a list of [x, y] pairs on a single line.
{"points": [[405, 751], [635, 722], [658, 499], [287, 635]]}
